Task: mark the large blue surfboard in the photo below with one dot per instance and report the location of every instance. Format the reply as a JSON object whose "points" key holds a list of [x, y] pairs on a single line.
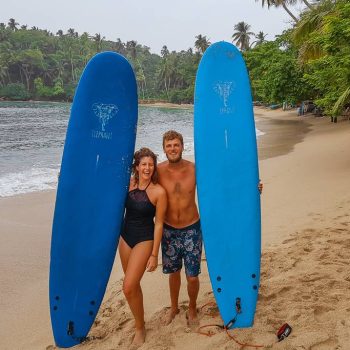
{"points": [[91, 193], [227, 181]]}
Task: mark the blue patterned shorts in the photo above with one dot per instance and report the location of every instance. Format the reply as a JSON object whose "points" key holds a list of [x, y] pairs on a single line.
{"points": [[182, 244]]}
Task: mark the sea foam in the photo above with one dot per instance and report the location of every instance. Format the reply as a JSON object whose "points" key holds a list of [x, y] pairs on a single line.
{"points": [[31, 180]]}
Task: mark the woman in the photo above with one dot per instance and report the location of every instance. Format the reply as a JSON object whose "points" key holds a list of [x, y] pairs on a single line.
{"points": [[142, 233]]}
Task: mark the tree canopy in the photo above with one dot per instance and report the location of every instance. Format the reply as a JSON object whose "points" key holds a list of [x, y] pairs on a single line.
{"points": [[35, 63], [310, 61]]}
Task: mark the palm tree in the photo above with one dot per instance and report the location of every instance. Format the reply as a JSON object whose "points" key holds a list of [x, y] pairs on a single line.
{"points": [[98, 40], [202, 43], [59, 32], [131, 48], [141, 80], [310, 22], [3, 74], [166, 72], [260, 38], [84, 47], [120, 47], [71, 32], [164, 52], [278, 3], [341, 102], [24, 27], [12, 24], [241, 36], [307, 4]]}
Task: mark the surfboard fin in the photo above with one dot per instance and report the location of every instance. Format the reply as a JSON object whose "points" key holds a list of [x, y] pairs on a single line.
{"points": [[70, 328], [238, 311], [238, 305]]}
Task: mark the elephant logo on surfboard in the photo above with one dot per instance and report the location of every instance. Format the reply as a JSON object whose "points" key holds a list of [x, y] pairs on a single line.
{"points": [[224, 89], [104, 112]]}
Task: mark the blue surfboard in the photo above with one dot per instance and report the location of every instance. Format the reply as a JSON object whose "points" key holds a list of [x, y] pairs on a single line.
{"points": [[227, 181], [91, 192]]}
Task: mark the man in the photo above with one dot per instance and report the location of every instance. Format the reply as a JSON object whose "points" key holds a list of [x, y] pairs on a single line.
{"points": [[182, 236]]}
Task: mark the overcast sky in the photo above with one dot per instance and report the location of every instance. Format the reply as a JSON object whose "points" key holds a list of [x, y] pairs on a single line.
{"points": [[153, 23]]}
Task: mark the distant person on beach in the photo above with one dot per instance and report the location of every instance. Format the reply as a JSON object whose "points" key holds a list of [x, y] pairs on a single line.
{"points": [[141, 233], [182, 236]]}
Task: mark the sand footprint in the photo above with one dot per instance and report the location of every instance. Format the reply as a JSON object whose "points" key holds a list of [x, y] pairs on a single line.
{"points": [[327, 344], [321, 313]]}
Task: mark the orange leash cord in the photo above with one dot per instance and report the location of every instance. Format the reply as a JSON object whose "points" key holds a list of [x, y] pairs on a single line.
{"points": [[210, 334]]}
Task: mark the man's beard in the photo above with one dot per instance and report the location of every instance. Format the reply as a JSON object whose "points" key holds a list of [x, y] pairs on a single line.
{"points": [[175, 160]]}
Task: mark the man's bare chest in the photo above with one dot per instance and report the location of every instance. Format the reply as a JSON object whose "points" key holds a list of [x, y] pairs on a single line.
{"points": [[179, 185]]}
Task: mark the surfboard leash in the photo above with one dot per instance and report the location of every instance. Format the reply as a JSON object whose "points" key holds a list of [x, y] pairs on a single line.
{"points": [[227, 327]]}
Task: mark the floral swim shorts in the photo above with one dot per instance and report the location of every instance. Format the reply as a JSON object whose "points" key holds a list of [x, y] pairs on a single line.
{"points": [[182, 244]]}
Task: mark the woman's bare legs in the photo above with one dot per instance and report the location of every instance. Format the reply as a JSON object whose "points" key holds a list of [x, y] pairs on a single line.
{"points": [[134, 264]]}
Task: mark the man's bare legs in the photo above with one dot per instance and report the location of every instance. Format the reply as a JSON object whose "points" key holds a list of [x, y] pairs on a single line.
{"points": [[192, 289], [174, 287]]}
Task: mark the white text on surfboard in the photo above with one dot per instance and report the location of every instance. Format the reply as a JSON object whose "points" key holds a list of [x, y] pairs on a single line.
{"points": [[97, 134]]}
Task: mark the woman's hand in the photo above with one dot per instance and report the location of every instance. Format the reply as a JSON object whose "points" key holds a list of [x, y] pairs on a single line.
{"points": [[152, 263]]}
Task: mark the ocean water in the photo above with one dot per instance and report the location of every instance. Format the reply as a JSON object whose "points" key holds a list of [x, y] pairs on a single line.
{"points": [[32, 137]]}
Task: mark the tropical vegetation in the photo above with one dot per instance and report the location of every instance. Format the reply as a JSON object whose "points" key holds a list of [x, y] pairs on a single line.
{"points": [[37, 64], [309, 61]]}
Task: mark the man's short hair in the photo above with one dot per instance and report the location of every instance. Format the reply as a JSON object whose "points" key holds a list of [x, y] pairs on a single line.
{"points": [[171, 135]]}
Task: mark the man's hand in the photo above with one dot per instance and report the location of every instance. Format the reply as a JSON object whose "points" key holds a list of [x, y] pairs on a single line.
{"points": [[260, 187]]}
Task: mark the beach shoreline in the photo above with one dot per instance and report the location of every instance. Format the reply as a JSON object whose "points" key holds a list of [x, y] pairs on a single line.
{"points": [[305, 170], [142, 103]]}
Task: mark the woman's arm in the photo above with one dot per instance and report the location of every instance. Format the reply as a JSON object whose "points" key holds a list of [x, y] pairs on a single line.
{"points": [[161, 205]]}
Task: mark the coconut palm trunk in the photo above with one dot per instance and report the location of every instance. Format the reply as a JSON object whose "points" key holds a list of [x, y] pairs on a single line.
{"points": [[307, 4], [289, 12]]}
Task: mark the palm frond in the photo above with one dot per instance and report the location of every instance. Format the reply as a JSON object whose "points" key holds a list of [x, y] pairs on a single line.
{"points": [[342, 101]]}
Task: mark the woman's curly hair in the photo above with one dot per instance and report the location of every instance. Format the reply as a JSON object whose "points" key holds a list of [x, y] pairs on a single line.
{"points": [[141, 153]]}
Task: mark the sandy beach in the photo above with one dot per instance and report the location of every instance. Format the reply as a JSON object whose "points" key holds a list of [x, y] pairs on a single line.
{"points": [[305, 278]]}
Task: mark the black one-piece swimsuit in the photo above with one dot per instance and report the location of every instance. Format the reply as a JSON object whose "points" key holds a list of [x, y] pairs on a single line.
{"points": [[138, 221]]}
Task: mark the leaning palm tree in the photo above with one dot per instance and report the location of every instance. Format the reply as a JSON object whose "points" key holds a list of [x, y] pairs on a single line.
{"points": [[242, 35], [278, 3], [341, 102], [310, 22], [307, 4]]}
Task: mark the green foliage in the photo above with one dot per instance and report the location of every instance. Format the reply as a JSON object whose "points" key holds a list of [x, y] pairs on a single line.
{"points": [[275, 75], [325, 53], [15, 91], [44, 92], [311, 61], [182, 96], [49, 66]]}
